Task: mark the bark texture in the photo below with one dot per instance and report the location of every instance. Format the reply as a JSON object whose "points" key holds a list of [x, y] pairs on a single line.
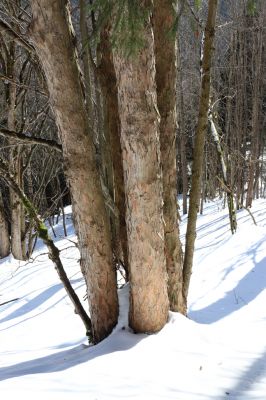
{"points": [[166, 80], [53, 38], [141, 161], [109, 88], [198, 153]]}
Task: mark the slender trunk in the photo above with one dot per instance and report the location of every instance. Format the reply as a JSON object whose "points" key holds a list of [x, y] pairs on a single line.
{"points": [[198, 153], [182, 130], [109, 88], [254, 152], [141, 161], [59, 61], [229, 192], [4, 235], [17, 213], [166, 80]]}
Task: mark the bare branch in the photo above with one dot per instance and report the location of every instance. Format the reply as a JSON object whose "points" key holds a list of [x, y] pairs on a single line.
{"points": [[22, 137], [16, 36]]}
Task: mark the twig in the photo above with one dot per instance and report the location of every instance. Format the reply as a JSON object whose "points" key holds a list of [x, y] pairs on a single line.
{"points": [[228, 190]]}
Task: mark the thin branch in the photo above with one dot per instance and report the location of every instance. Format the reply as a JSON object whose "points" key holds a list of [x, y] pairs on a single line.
{"points": [[16, 36], [22, 137], [228, 190], [8, 79], [54, 253]]}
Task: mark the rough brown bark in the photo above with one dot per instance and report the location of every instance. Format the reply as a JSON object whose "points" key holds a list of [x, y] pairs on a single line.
{"points": [[54, 43], [141, 161], [198, 152], [109, 89], [166, 81]]}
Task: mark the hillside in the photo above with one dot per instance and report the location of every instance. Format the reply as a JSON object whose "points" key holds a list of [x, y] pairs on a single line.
{"points": [[219, 352]]}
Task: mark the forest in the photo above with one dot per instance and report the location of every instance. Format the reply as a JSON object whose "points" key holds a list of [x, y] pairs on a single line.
{"points": [[125, 126]]}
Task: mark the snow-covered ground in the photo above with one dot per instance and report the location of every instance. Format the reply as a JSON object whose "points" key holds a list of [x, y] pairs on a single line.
{"points": [[219, 352]]}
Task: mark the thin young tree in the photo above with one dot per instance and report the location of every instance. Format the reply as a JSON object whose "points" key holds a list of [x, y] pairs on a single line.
{"points": [[198, 151], [166, 82]]}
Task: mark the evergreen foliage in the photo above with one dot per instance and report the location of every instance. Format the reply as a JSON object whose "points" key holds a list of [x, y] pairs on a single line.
{"points": [[127, 19]]}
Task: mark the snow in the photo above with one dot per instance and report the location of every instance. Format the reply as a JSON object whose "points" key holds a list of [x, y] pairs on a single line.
{"points": [[219, 352]]}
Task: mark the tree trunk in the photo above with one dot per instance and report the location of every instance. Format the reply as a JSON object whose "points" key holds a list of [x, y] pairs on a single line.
{"points": [[141, 160], [198, 153], [182, 130], [166, 80], [51, 20], [227, 187], [4, 235], [256, 95], [18, 248], [109, 88]]}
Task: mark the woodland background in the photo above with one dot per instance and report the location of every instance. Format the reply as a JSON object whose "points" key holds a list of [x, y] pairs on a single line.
{"points": [[116, 107]]}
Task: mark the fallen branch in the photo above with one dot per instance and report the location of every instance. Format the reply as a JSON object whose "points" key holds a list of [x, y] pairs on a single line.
{"points": [[9, 301]]}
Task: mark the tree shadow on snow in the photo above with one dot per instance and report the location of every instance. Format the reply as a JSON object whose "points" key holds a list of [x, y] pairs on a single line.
{"points": [[248, 380], [35, 302], [247, 289], [121, 340]]}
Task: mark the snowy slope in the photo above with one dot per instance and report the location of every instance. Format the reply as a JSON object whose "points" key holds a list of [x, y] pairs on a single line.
{"points": [[219, 352]]}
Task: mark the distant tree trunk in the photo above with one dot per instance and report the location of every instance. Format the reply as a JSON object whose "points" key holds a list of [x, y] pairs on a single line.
{"points": [[256, 62], [4, 235], [198, 153], [182, 131], [166, 81], [51, 19], [141, 160], [227, 188], [18, 247], [109, 88]]}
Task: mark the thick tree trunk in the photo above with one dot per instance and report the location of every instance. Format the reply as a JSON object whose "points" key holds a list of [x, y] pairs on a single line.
{"points": [[4, 235], [141, 160], [54, 43], [198, 153], [109, 89], [166, 80]]}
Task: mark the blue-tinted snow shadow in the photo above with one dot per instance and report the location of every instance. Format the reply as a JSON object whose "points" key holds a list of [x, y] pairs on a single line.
{"points": [[36, 302], [121, 340], [249, 378], [247, 289]]}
